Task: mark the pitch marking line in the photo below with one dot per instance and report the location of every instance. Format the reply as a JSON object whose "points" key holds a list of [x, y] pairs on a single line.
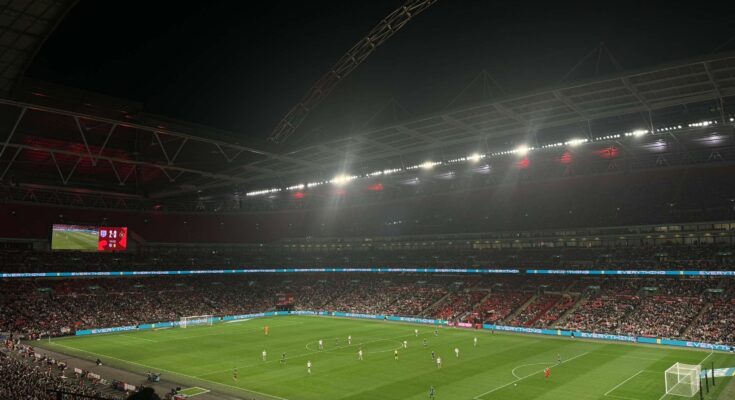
{"points": [[197, 389], [621, 397], [527, 365], [479, 396], [623, 382], [175, 373]]}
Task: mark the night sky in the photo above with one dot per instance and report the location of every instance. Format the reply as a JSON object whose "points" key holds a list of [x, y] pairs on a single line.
{"points": [[241, 65]]}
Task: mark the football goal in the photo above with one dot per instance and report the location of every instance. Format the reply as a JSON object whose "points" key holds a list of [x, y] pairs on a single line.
{"points": [[682, 379], [196, 320]]}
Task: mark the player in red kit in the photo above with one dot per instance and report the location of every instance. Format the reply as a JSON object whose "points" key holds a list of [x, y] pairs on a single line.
{"points": [[265, 330], [547, 372]]}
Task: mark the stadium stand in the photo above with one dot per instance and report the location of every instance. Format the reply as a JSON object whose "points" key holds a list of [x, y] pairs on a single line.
{"points": [[24, 376], [637, 306]]}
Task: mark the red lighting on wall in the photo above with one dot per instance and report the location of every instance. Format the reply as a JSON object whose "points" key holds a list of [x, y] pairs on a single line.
{"points": [[566, 158], [340, 192], [299, 195], [376, 187], [524, 163], [608, 152]]}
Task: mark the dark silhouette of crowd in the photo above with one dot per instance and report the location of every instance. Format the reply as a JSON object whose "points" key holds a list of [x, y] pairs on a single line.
{"points": [[25, 376], [456, 254]]}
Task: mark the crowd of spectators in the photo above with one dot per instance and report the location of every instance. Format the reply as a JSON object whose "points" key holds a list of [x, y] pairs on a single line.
{"points": [[554, 313], [603, 314], [662, 316], [662, 307], [497, 307], [699, 257], [459, 303], [25, 376], [717, 323], [540, 305]]}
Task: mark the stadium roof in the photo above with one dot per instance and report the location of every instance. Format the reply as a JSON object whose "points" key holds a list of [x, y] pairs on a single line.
{"points": [[92, 149], [24, 26]]}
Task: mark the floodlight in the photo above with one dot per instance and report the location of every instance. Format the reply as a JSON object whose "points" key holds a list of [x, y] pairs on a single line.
{"points": [[522, 150], [342, 179]]}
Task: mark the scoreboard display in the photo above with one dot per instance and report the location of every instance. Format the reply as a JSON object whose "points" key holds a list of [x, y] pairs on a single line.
{"points": [[89, 238], [285, 299], [112, 238]]}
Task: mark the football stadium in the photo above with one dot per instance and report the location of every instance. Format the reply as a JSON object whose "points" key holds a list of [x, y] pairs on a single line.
{"points": [[367, 200]]}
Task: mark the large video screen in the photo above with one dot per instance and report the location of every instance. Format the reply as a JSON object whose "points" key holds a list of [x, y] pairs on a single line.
{"points": [[89, 238]]}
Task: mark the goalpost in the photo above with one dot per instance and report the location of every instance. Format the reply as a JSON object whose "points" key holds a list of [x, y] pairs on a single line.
{"points": [[683, 379], [196, 320]]}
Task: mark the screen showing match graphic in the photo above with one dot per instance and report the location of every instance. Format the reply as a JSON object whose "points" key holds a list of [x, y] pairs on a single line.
{"points": [[112, 239], [89, 238]]}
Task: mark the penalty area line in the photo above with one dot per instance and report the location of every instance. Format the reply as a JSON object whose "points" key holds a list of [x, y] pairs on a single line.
{"points": [[479, 396], [623, 383]]}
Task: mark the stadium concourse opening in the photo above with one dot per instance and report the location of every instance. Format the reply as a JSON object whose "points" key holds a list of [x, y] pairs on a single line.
{"points": [[367, 200]]}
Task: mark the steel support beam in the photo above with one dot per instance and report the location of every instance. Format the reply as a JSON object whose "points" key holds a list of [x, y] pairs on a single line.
{"points": [[567, 102], [130, 162], [12, 130]]}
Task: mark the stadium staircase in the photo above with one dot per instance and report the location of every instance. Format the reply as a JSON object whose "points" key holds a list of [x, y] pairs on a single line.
{"points": [[543, 311], [696, 319], [435, 305], [630, 312], [478, 304], [523, 306], [471, 310], [582, 299]]}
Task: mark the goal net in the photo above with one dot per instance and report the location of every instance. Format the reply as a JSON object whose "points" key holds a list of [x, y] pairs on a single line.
{"points": [[196, 320], [683, 379]]}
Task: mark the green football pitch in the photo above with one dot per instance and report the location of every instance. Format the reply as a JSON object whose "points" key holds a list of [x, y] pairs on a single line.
{"points": [[502, 366], [74, 240]]}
